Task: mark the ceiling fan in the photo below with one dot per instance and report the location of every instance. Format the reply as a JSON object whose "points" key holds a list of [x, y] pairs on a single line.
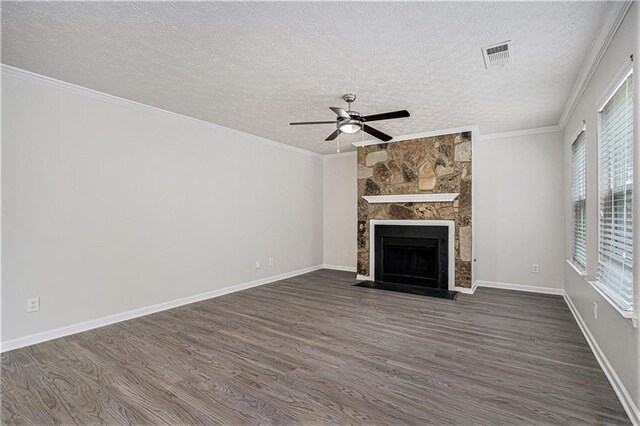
{"points": [[352, 121]]}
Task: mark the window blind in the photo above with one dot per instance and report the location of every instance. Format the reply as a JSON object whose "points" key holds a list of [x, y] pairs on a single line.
{"points": [[579, 200], [615, 245]]}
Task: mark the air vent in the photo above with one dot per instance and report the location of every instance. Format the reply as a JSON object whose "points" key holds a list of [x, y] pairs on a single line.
{"points": [[497, 55]]}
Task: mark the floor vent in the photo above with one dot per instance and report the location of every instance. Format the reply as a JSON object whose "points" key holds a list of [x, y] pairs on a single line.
{"points": [[497, 55]]}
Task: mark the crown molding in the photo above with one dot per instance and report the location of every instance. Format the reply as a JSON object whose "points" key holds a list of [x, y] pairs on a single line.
{"points": [[473, 129], [611, 24], [524, 132], [476, 135], [11, 71]]}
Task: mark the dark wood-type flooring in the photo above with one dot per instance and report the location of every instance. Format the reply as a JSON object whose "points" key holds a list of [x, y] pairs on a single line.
{"points": [[315, 350]]}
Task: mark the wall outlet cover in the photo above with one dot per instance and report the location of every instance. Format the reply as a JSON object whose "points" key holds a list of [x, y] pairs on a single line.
{"points": [[33, 304]]}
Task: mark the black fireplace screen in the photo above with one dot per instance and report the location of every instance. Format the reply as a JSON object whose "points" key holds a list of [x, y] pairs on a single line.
{"points": [[416, 255]]}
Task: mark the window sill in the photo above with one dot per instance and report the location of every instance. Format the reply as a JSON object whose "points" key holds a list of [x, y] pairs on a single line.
{"points": [[575, 268], [630, 316]]}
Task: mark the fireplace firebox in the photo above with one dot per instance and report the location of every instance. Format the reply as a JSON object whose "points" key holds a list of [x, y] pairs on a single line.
{"points": [[415, 255]]}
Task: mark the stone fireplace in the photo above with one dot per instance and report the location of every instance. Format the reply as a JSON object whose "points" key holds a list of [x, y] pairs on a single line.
{"points": [[420, 182]]}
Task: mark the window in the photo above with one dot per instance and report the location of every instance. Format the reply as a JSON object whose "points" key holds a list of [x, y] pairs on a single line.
{"points": [[579, 201], [615, 149]]}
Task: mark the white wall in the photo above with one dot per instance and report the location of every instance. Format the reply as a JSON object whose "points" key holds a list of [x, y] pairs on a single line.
{"points": [[518, 205], [108, 207], [340, 211], [617, 338]]}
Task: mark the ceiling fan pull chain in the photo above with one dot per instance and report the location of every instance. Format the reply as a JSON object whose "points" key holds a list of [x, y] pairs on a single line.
{"points": [[338, 143]]}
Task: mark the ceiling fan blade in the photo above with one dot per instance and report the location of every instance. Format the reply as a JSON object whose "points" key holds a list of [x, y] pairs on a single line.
{"points": [[341, 112], [333, 135], [387, 115], [376, 133], [313, 122]]}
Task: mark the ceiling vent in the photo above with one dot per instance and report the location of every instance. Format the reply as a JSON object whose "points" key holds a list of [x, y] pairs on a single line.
{"points": [[497, 55]]}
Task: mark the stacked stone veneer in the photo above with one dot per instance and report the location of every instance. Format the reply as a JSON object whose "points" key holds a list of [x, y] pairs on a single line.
{"points": [[429, 165]]}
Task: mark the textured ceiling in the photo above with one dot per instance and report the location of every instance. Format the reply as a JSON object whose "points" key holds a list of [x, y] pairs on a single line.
{"points": [[256, 66]]}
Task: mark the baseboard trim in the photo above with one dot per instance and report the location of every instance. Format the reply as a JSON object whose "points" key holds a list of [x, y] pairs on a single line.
{"points": [[467, 290], [339, 267], [521, 287], [618, 387], [56, 333]]}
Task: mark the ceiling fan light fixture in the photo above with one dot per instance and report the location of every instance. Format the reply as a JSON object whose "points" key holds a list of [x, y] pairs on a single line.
{"points": [[350, 126], [352, 121]]}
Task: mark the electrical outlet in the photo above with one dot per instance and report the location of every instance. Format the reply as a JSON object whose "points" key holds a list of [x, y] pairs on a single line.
{"points": [[33, 304], [535, 268], [595, 310], [346, 253], [271, 261], [258, 264]]}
